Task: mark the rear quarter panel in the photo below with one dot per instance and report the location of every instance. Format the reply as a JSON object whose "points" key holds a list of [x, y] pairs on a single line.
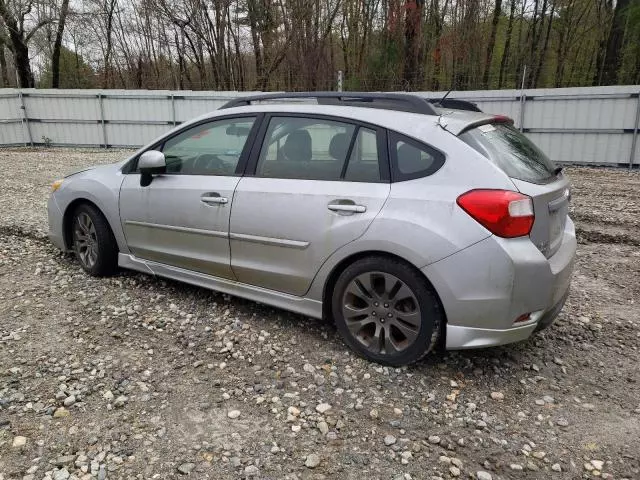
{"points": [[421, 221]]}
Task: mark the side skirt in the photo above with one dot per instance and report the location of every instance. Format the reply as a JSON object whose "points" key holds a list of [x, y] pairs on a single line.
{"points": [[304, 306]]}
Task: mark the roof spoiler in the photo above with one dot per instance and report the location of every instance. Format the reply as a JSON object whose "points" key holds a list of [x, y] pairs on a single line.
{"points": [[455, 104], [485, 121]]}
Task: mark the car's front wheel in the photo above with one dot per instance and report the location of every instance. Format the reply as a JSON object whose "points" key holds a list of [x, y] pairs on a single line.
{"points": [[386, 311], [93, 242]]}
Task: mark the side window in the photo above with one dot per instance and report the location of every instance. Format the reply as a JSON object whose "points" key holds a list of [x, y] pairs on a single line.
{"points": [[212, 148], [363, 163], [411, 159], [305, 148]]}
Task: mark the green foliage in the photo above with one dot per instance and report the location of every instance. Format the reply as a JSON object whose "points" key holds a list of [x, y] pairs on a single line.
{"points": [[74, 72], [630, 68], [384, 64]]}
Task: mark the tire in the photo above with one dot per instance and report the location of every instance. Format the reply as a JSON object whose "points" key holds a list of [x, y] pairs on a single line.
{"points": [[380, 294], [94, 245]]}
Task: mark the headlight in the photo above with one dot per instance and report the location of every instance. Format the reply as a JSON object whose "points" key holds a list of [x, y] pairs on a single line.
{"points": [[56, 185]]}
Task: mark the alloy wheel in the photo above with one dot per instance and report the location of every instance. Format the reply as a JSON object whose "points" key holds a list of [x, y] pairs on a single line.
{"points": [[85, 240], [381, 312]]}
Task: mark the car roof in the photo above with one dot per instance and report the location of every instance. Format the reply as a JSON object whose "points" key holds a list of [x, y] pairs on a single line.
{"points": [[454, 121]]}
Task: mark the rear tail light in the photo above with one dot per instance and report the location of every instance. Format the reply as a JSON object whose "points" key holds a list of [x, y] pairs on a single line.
{"points": [[503, 212]]}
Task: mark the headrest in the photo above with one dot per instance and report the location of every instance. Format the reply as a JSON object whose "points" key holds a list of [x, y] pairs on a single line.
{"points": [[339, 146], [297, 146]]}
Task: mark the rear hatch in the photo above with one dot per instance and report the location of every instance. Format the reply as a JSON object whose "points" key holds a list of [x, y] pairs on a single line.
{"points": [[532, 173]]}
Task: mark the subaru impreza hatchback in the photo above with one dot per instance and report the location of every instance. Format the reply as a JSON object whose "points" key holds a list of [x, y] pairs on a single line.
{"points": [[407, 223]]}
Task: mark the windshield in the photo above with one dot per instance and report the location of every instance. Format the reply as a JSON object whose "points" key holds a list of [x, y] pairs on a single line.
{"points": [[510, 150]]}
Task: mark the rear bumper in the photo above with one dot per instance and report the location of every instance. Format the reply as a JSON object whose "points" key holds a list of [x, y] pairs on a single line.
{"points": [[486, 287], [468, 337]]}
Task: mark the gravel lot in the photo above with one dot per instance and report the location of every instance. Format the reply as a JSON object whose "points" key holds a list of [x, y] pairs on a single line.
{"points": [[135, 377]]}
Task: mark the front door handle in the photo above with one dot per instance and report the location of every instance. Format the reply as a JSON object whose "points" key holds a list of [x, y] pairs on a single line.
{"points": [[213, 199], [351, 208]]}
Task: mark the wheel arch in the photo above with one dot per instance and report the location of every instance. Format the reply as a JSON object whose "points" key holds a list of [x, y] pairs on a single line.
{"points": [[330, 282], [67, 219]]}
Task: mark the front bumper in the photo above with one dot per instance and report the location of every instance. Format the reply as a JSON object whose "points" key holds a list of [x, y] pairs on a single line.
{"points": [[56, 231], [487, 286]]}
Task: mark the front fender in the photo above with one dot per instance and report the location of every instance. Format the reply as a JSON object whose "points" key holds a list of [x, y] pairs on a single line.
{"points": [[102, 191]]}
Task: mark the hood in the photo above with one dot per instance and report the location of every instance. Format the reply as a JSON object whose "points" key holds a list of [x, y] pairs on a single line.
{"points": [[75, 172]]}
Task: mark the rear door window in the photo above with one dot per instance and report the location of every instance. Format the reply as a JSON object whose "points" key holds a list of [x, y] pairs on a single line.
{"points": [[363, 163], [305, 148], [511, 151], [309, 148]]}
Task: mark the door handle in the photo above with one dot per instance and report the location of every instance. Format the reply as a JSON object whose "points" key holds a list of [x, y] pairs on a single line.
{"points": [[351, 208], [212, 199]]}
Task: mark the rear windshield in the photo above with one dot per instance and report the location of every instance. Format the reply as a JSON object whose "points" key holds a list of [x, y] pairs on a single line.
{"points": [[510, 150]]}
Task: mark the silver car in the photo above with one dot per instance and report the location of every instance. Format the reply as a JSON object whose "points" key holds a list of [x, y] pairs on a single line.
{"points": [[409, 224]]}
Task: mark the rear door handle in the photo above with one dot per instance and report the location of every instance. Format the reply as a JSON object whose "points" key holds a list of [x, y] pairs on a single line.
{"points": [[340, 207], [213, 199]]}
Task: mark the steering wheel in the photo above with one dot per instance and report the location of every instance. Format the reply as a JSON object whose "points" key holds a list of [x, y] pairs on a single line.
{"points": [[209, 161]]}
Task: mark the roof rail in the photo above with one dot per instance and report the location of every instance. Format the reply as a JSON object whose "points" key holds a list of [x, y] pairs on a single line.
{"points": [[455, 104], [402, 102]]}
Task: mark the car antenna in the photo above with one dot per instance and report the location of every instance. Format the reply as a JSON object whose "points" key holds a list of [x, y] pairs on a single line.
{"points": [[439, 102]]}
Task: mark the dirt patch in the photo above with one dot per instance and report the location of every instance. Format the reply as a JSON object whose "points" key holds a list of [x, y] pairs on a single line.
{"points": [[151, 370]]}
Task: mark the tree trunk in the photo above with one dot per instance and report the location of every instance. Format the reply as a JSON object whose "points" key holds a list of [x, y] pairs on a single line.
{"points": [[507, 43], [18, 46], [111, 6], [21, 59], [538, 25], [55, 60], [4, 73], [253, 14], [543, 53], [491, 44], [607, 6], [412, 74], [613, 55], [521, 56]]}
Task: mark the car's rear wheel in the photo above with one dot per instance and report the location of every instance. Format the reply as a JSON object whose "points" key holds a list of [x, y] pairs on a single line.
{"points": [[93, 242], [386, 311]]}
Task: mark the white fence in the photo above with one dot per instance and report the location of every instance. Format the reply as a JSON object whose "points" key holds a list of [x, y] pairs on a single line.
{"points": [[590, 125]]}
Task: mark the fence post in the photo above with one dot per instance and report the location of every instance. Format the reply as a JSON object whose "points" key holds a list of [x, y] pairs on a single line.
{"points": [[104, 127], [25, 117], [634, 142], [173, 110]]}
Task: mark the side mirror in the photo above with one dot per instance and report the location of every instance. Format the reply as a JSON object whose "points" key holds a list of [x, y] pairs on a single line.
{"points": [[151, 163]]}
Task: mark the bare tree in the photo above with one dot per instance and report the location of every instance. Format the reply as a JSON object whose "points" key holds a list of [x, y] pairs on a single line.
{"points": [[608, 69], [300, 44], [507, 43], [412, 73], [55, 59], [4, 72], [492, 41], [15, 14]]}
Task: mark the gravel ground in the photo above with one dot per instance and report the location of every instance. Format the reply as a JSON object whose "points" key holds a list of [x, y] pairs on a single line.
{"points": [[136, 377]]}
